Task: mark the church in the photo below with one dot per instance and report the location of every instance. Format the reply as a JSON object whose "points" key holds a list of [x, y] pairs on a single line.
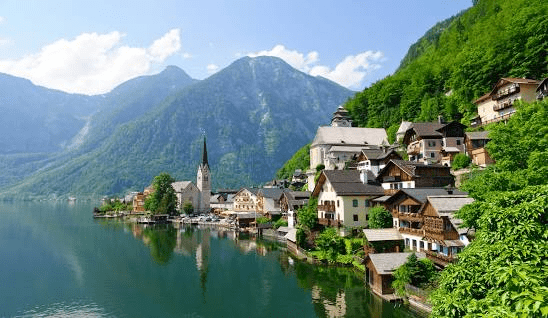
{"points": [[197, 194]]}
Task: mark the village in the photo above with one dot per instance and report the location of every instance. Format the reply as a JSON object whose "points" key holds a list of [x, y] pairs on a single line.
{"points": [[353, 170]]}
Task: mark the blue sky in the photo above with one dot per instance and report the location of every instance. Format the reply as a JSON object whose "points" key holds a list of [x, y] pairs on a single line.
{"points": [[90, 47]]}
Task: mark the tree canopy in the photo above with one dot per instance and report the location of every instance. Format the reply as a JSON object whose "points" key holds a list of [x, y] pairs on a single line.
{"points": [[379, 218], [163, 200]]}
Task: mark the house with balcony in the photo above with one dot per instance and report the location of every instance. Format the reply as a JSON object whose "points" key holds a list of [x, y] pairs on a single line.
{"points": [[436, 142], [290, 203], [542, 89], [405, 206], [245, 200], [475, 147], [400, 174], [498, 105], [338, 143], [442, 230], [344, 198], [268, 202], [375, 159]]}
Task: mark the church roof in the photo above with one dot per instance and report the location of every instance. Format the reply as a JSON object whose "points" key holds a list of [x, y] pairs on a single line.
{"points": [[349, 136], [204, 154], [180, 186]]}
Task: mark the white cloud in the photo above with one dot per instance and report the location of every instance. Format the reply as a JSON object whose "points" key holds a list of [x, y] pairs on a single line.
{"points": [[91, 63], [2, 19], [212, 68], [186, 56], [351, 72]]}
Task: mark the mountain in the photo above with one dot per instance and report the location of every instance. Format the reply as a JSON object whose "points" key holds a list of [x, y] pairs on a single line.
{"points": [[37, 119], [457, 61], [255, 113]]}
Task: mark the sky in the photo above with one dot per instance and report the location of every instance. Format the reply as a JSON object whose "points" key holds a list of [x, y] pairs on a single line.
{"points": [[90, 47]]}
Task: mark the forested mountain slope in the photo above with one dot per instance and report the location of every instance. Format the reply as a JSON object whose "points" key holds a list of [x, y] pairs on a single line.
{"points": [[457, 61]]}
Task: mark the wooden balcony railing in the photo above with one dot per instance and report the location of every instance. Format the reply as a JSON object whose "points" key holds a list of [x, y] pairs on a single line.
{"points": [[326, 207], [412, 231], [505, 92], [497, 119], [439, 258], [329, 222], [411, 217], [502, 105]]}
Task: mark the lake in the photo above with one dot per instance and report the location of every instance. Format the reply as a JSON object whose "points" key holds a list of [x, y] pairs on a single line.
{"points": [[56, 260]]}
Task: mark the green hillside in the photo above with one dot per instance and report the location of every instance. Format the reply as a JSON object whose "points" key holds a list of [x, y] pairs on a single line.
{"points": [[457, 61]]}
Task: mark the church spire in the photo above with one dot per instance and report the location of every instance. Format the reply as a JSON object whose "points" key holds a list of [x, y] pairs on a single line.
{"points": [[204, 154]]}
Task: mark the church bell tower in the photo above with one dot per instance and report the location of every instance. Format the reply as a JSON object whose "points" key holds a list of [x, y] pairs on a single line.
{"points": [[203, 182]]}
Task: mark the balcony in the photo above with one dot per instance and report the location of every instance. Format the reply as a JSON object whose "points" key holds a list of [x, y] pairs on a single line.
{"points": [[410, 217], [326, 207], [413, 149], [497, 119], [514, 89], [329, 222], [502, 105], [411, 231], [438, 258]]}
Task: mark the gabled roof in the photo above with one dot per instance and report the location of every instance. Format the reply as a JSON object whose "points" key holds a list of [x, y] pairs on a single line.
{"points": [[347, 182], [483, 98], [349, 136], [377, 235], [410, 167], [387, 263], [541, 83], [426, 129], [403, 127], [445, 204], [478, 135], [271, 193], [421, 194], [180, 186], [253, 191], [297, 195], [378, 154]]}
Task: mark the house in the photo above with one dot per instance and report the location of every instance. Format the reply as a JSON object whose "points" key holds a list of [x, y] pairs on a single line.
{"points": [[245, 200], [380, 268], [400, 174], [442, 230], [405, 206], [383, 241], [498, 105], [334, 145], [268, 202], [542, 89], [434, 142], [139, 199], [290, 202], [221, 202], [343, 198], [374, 159], [475, 147]]}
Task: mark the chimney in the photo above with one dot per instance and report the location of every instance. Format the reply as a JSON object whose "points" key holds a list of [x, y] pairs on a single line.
{"points": [[440, 119], [363, 176]]}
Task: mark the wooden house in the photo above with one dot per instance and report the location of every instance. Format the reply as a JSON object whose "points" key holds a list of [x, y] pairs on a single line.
{"points": [[399, 174], [290, 203], [475, 148], [374, 159], [268, 202], [379, 270]]}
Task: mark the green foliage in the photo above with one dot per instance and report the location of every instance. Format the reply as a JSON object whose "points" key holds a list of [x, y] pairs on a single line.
{"points": [[307, 216], [280, 222], [460, 161], [300, 160], [414, 272], [464, 55], [379, 218], [187, 207], [353, 245], [503, 272], [163, 200], [330, 242], [301, 237], [116, 206], [263, 220]]}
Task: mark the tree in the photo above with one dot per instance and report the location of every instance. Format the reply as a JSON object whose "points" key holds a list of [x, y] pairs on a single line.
{"points": [[379, 218], [460, 161], [163, 200], [331, 243], [308, 215], [187, 207], [414, 272]]}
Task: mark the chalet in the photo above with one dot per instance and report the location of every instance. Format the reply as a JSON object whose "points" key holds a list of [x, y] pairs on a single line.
{"points": [[498, 105], [434, 142], [343, 198], [442, 230], [383, 241], [400, 174], [334, 145], [139, 199], [475, 147], [245, 200], [542, 89], [268, 202], [290, 202], [374, 159], [379, 270], [405, 206]]}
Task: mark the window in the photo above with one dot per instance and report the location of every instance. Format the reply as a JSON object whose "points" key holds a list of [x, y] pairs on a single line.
{"points": [[367, 203], [367, 217], [458, 142], [432, 154], [355, 218], [355, 203], [338, 203], [431, 144]]}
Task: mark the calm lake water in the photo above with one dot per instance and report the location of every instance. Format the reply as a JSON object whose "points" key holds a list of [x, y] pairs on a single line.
{"points": [[56, 261]]}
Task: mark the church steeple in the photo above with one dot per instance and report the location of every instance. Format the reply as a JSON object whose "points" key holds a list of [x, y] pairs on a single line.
{"points": [[204, 154]]}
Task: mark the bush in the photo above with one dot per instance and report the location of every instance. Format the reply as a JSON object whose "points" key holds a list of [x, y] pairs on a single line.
{"points": [[280, 222], [263, 220], [379, 218], [331, 242], [460, 161]]}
